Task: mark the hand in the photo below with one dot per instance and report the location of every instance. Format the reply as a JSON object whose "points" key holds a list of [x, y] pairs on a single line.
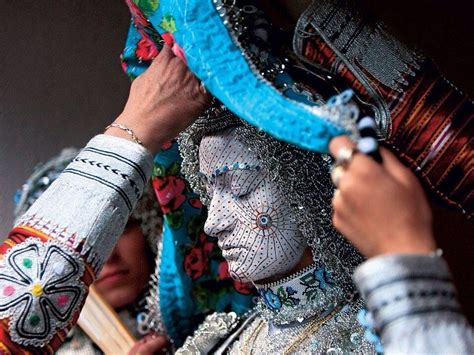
{"points": [[381, 208], [163, 101], [149, 345]]}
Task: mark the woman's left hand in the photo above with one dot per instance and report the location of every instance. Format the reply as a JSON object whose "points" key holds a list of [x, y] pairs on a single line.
{"points": [[380, 207]]}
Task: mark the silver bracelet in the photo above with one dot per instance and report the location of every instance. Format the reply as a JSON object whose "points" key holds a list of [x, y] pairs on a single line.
{"points": [[126, 129]]}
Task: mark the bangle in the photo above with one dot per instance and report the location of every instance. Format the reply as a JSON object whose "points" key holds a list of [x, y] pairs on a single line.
{"points": [[126, 129]]}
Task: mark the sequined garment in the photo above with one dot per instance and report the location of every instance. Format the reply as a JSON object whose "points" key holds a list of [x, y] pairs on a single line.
{"points": [[334, 330]]}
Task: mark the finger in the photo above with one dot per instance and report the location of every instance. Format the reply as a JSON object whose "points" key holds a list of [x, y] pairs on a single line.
{"points": [[339, 143], [396, 169], [165, 56], [153, 345]]}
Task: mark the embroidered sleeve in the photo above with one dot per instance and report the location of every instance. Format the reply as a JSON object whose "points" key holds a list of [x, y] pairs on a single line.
{"points": [[60, 244], [413, 304]]}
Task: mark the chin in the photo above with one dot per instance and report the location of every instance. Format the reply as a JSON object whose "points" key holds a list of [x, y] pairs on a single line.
{"points": [[260, 274], [119, 298]]}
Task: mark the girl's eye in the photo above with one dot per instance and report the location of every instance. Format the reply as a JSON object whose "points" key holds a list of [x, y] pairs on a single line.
{"points": [[244, 182], [239, 193]]}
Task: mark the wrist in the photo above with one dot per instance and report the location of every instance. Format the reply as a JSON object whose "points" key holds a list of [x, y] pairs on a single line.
{"points": [[146, 136], [410, 243]]}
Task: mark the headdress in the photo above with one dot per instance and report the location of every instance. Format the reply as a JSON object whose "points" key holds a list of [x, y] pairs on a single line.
{"points": [[228, 45]]}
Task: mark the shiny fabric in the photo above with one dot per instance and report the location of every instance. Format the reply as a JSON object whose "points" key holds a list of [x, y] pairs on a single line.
{"points": [[430, 122], [194, 277]]}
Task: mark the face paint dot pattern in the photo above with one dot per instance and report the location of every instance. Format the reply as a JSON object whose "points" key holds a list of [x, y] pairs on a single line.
{"points": [[247, 213]]}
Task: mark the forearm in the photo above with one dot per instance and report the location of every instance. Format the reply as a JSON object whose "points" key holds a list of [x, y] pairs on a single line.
{"points": [[59, 245], [413, 304]]}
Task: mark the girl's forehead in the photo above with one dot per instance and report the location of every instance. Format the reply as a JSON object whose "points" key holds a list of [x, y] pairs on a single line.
{"points": [[223, 151]]}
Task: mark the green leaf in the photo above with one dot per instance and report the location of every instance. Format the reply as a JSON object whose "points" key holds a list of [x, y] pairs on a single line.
{"points": [[281, 293], [168, 23], [147, 6], [159, 170], [173, 170], [195, 225], [174, 219]]}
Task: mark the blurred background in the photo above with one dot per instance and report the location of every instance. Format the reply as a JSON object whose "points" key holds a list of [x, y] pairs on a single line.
{"points": [[61, 83]]}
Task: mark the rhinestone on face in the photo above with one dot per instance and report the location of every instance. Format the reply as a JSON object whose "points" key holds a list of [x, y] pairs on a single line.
{"points": [[264, 221]]}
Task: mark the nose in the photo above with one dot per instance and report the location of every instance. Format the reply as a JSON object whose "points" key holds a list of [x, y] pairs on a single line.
{"points": [[220, 216]]}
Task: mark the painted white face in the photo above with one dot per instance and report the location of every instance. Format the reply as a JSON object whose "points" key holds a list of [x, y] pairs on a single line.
{"points": [[250, 217]]}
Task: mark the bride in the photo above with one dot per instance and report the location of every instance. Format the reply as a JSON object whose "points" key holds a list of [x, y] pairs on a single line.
{"points": [[269, 207]]}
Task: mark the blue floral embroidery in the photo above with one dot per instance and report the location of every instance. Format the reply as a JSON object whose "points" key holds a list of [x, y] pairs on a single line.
{"points": [[323, 277], [271, 299], [290, 291], [365, 320]]}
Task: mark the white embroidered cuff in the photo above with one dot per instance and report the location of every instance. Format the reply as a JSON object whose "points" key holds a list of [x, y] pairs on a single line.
{"points": [[89, 204], [398, 287]]}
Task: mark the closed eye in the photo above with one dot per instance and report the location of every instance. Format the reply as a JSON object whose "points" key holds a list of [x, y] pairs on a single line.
{"points": [[243, 182]]}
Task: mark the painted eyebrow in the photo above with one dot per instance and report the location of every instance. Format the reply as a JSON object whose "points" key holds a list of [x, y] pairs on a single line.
{"points": [[236, 166]]}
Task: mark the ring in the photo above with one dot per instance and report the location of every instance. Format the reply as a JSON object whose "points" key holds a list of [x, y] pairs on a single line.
{"points": [[336, 175], [344, 156]]}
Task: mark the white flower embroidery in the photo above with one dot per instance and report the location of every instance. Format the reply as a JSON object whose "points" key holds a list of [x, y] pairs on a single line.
{"points": [[40, 289]]}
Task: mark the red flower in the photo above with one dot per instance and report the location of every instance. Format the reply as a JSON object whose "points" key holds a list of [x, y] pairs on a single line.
{"points": [[146, 48], [243, 288], [138, 17], [170, 192], [195, 263], [168, 39], [195, 202], [223, 270], [206, 245], [167, 145], [177, 50]]}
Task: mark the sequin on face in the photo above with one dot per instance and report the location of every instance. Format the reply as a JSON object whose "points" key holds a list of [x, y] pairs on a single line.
{"points": [[248, 214]]}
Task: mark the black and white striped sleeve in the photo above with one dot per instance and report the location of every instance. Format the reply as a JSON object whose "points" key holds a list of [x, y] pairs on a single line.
{"points": [[92, 199], [413, 303]]}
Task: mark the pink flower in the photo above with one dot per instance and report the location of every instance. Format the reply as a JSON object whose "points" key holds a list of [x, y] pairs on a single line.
{"points": [[123, 63], [170, 192], [223, 270], [170, 41], [195, 263]]}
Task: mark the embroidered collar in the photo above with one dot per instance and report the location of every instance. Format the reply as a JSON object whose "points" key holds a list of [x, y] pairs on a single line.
{"points": [[311, 292]]}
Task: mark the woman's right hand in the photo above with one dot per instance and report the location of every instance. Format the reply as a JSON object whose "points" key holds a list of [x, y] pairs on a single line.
{"points": [[163, 101]]}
